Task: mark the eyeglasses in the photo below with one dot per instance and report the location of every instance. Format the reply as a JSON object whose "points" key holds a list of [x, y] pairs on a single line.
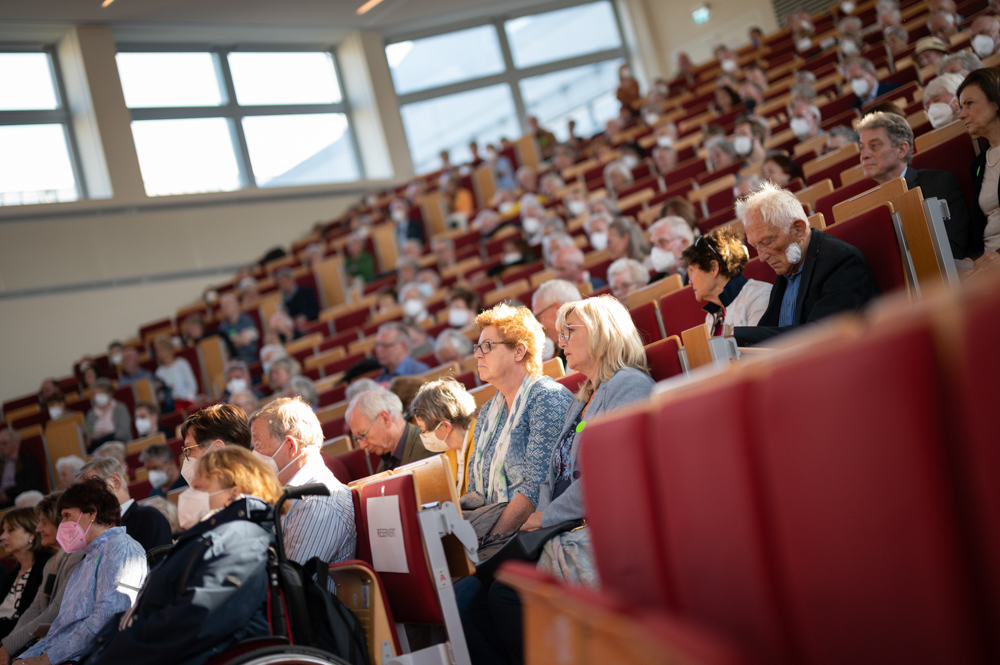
{"points": [[385, 345], [364, 435], [487, 346], [624, 288], [539, 314], [567, 331], [184, 451]]}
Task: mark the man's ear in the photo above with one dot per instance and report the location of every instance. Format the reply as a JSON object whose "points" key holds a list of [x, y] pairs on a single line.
{"points": [[800, 227]]}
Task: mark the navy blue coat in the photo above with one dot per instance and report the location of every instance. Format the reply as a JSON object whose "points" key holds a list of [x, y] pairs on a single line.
{"points": [[210, 592]]}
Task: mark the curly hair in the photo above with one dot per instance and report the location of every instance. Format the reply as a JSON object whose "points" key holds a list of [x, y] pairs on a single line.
{"points": [[518, 325], [722, 245]]}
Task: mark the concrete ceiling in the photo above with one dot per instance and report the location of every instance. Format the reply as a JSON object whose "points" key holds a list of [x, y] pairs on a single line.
{"points": [[334, 17]]}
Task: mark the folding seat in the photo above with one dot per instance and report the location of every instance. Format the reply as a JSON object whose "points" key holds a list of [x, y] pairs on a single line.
{"points": [[721, 201], [835, 109], [684, 170], [171, 421], [707, 177], [351, 319], [340, 339], [150, 328], [622, 510], [715, 541], [467, 379], [521, 272], [19, 402], [833, 171], [140, 489], [646, 322], [36, 418], [824, 204], [572, 381], [663, 358], [857, 489], [718, 218], [640, 184], [375, 285], [757, 269], [956, 156], [874, 234], [342, 364], [680, 311], [332, 396]]}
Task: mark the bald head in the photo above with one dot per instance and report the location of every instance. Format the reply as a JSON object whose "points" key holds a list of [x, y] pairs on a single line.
{"points": [[568, 264]]}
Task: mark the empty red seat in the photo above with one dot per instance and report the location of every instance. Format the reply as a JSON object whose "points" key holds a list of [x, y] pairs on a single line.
{"points": [[663, 359], [351, 320], [757, 269], [856, 482], [334, 428], [679, 311], [874, 234], [646, 322], [824, 204], [572, 381], [954, 155]]}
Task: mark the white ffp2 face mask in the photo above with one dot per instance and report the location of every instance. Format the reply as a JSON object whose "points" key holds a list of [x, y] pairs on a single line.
{"points": [[982, 45], [158, 478], [743, 145], [194, 505], [189, 469], [548, 349], [939, 114], [432, 442], [599, 240], [860, 87], [800, 127], [662, 260]]}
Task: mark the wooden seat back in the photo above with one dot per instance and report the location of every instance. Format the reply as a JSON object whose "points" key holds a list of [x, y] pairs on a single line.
{"points": [[829, 159], [655, 291], [140, 444], [324, 358], [812, 193], [695, 342], [870, 199]]}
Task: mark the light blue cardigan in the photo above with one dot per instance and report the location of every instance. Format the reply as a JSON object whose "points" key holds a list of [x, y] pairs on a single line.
{"points": [[626, 387]]}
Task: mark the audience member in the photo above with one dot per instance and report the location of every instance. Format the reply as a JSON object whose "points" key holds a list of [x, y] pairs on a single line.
{"points": [[46, 390], [238, 328], [715, 265], [664, 159], [406, 271], [940, 99], [840, 136], [67, 468], [108, 419], [626, 240], [670, 236], [392, 350], [818, 275], [930, 51], [451, 345], [194, 605], [781, 170], [288, 437], [617, 176], [246, 401], [445, 414], [20, 585], [444, 252], [375, 418], [679, 206], [961, 63], [19, 472], [359, 386], [237, 377], [44, 609], [304, 388], [457, 198], [281, 371], [985, 31], [193, 329], [117, 451], [568, 265], [406, 228], [886, 152], [518, 426], [628, 88], [130, 370], [176, 374], [90, 376], [545, 304], [357, 262], [300, 300], [626, 276], [721, 154], [805, 123], [147, 420], [103, 585], [144, 524], [897, 39], [164, 475], [860, 74], [28, 499], [749, 136], [979, 99]]}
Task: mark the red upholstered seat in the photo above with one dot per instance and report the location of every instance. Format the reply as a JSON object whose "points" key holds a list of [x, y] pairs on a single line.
{"points": [[679, 311], [722, 572], [621, 510], [332, 368], [572, 381], [852, 451], [954, 155], [467, 379], [757, 269], [718, 218], [824, 204], [684, 170], [155, 325], [663, 359], [721, 201], [140, 489], [351, 320], [874, 234], [191, 355], [35, 447], [334, 428], [644, 318], [708, 177], [31, 419], [355, 462], [337, 468], [833, 172], [521, 272], [412, 595]]}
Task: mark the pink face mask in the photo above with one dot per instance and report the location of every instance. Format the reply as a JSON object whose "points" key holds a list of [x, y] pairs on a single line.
{"points": [[71, 536]]}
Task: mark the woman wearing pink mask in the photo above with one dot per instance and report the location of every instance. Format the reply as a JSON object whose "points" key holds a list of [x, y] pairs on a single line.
{"points": [[104, 584]]}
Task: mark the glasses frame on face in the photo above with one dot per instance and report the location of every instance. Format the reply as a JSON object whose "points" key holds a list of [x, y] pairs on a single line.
{"points": [[487, 345], [185, 449], [567, 331], [538, 315], [364, 435]]}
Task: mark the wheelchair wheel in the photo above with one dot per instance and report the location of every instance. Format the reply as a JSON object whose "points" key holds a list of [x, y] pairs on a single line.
{"points": [[288, 655]]}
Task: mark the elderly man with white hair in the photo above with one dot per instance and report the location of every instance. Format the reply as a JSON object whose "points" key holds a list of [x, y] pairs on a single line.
{"points": [[568, 264], [818, 275], [940, 100], [286, 435], [377, 424], [626, 276], [805, 123], [670, 236], [452, 345], [545, 304]]}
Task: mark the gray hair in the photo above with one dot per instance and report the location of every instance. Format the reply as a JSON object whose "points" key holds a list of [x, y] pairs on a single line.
{"points": [[555, 291], [554, 224], [290, 416], [360, 386], [622, 170], [636, 270], [113, 449], [399, 328], [454, 339], [804, 76], [435, 278], [844, 131], [814, 111], [14, 435], [968, 60], [28, 499], [864, 63], [590, 220], [638, 247], [803, 92], [612, 206], [898, 31], [724, 145], [157, 452], [237, 364], [447, 243], [851, 21], [895, 126], [302, 386], [74, 462], [373, 402], [290, 364], [105, 468], [775, 207], [945, 83], [406, 261], [678, 225], [246, 400]]}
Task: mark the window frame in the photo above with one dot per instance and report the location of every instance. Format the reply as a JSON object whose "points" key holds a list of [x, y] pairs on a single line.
{"points": [[57, 116], [232, 111], [512, 76]]}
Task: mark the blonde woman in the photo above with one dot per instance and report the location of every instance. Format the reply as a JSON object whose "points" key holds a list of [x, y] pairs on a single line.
{"points": [[445, 412], [518, 426]]}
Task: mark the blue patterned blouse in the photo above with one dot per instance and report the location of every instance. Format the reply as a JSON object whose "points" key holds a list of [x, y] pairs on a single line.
{"points": [[532, 439]]}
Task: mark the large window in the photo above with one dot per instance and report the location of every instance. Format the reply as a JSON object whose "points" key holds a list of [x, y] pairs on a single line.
{"points": [[225, 120], [477, 84], [36, 156]]}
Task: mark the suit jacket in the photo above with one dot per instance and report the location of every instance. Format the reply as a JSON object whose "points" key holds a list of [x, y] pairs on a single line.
{"points": [[977, 218], [413, 451], [884, 87], [835, 278], [944, 185], [27, 476], [303, 302], [147, 526]]}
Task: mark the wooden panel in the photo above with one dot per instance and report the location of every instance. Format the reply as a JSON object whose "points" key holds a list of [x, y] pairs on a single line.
{"points": [[828, 160], [213, 363], [442, 371], [540, 278], [940, 135], [916, 229], [527, 151], [338, 446], [361, 592], [577, 170], [638, 198], [482, 394], [64, 437], [332, 412], [595, 258], [143, 391], [817, 221], [364, 346], [553, 368], [811, 194], [508, 292], [320, 359], [16, 414], [432, 205], [462, 267], [336, 311], [852, 175], [655, 291], [307, 342], [870, 199], [137, 445], [384, 238], [816, 143], [696, 346], [332, 280], [701, 194], [485, 184]]}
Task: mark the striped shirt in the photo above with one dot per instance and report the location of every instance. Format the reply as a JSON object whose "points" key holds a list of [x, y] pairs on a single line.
{"points": [[319, 526], [105, 583]]}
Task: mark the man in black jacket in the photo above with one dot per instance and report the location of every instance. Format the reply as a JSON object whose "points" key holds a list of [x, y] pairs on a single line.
{"points": [[818, 275], [144, 524], [886, 152], [860, 74], [300, 301], [18, 473]]}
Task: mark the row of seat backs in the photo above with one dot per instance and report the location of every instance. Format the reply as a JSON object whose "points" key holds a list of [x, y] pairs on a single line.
{"points": [[841, 505]]}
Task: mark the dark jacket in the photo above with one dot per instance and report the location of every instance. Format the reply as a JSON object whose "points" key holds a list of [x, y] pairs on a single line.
{"points": [[27, 476], [944, 185], [413, 450], [884, 87], [977, 218], [27, 595], [147, 526], [835, 278], [303, 302], [210, 592]]}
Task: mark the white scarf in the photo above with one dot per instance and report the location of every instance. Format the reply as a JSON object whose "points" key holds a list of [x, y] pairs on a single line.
{"points": [[496, 489]]}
